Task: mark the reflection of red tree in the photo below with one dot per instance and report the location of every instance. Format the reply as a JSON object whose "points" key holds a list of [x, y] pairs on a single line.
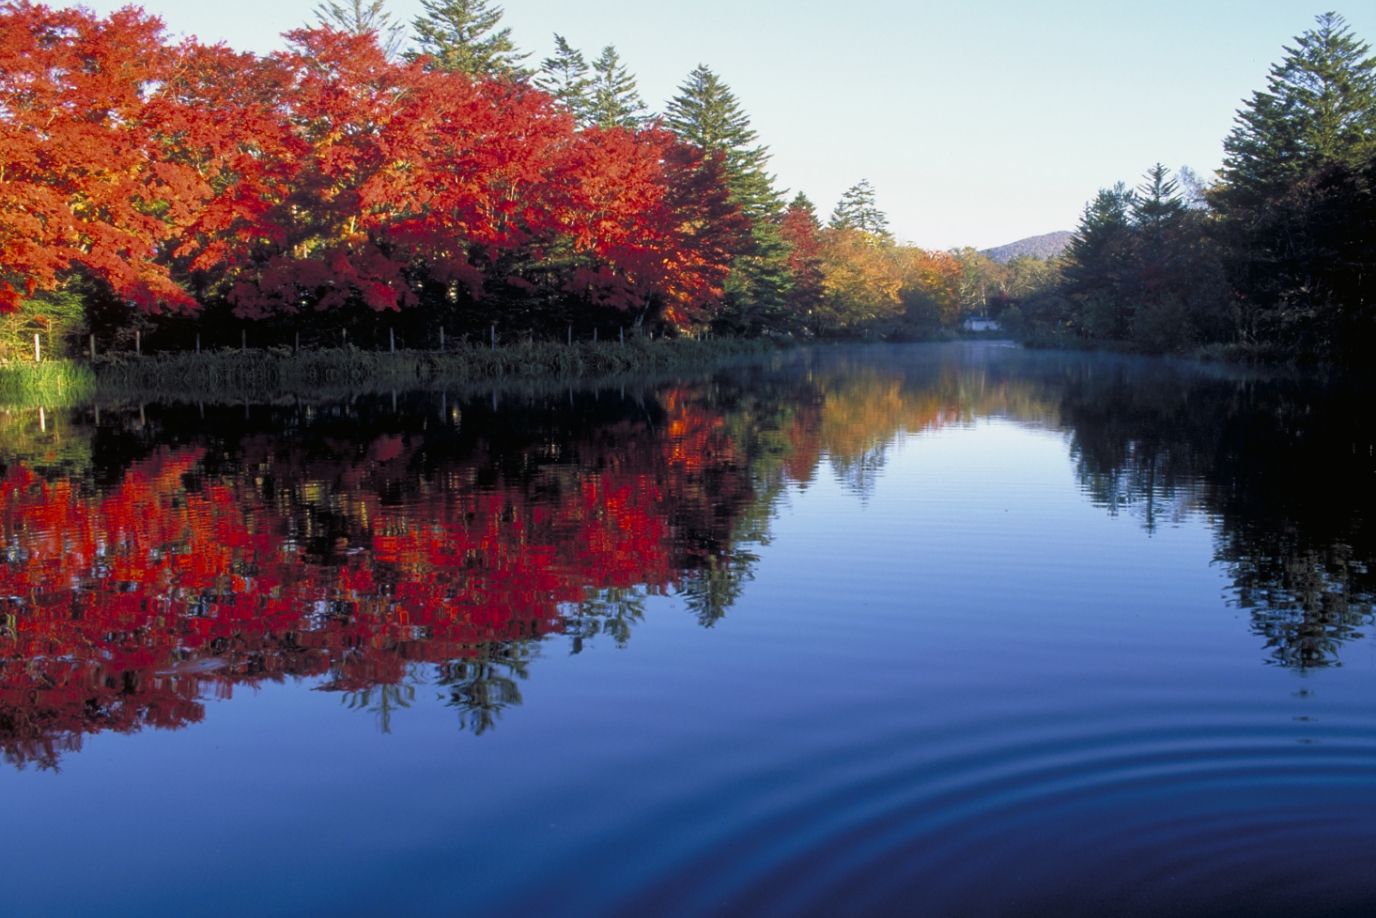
{"points": [[124, 607]]}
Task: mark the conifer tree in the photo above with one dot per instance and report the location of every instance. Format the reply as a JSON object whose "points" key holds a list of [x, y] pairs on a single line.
{"points": [[1295, 201], [707, 114], [565, 76], [613, 100], [1157, 203], [363, 17], [1319, 108], [857, 210], [459, 36]]}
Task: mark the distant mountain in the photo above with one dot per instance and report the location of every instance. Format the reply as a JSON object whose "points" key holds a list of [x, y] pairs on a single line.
{"points": [[1036, 246]]}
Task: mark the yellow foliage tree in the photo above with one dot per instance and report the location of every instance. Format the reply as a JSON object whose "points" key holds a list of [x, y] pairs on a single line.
{"points": [[931, 285], [860, 281]]}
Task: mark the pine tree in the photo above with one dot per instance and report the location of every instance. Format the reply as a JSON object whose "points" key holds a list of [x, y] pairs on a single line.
{"points": [[565, 76], [857, 210], [706, 114], [458, 35], [1157, 203], [1319, 109], [363, 17], [1295, 206], [613, 100]]}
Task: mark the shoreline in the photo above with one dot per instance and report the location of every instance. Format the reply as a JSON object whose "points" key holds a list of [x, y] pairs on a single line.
{"points": [[265, 374]]}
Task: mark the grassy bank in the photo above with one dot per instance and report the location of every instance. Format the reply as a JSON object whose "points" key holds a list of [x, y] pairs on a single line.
{"points": [[53, 383], [267, 374]]}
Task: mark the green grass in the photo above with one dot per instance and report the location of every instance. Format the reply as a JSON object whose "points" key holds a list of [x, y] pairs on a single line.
{"points": [[275, 372], [52, 384]]}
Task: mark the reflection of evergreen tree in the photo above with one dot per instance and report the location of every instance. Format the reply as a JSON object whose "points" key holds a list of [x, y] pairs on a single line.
{"points": [[486, 685], [709, 591], [611, 612], [1275, 463], [381, 701]]}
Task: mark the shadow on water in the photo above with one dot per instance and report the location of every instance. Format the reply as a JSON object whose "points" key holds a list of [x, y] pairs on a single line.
{"points": [[155, 555]]}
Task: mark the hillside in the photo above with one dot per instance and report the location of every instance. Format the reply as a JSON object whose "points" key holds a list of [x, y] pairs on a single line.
{"points": [[1037, 246]]}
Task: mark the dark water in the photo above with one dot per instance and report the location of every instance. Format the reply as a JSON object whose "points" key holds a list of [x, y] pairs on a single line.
{"points": [[956, 630]]}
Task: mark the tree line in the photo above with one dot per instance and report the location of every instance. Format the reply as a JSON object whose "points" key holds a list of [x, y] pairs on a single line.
{"points": [[356, 188], [1273, 260]]}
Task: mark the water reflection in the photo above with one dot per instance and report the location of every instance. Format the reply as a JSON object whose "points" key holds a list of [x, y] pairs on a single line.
{"points": [[172, 553]]}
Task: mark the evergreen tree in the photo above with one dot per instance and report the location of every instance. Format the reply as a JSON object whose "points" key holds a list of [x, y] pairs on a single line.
{"points": [[613, 100], [857, 210], [363, 17], [565, 76], [1295, 204], [458, 35], [1157, 203], [1319, 109], [1099, 261], [706, 114]]}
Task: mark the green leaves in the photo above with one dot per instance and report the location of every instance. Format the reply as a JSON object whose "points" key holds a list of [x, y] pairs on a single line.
{"points": [[1319, 109], [459, 35]]}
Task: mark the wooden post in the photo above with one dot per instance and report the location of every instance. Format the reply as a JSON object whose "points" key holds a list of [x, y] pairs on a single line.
{"points": [[37, 351], [138, 343], [198, 342], [42, 420], [297, 348], [392, 340], [570, 336], [441, 339], [93, 347], [494, 337], [594, 334]]}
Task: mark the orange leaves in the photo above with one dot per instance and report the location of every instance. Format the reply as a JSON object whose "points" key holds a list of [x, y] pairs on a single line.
{"points": [[78, 184], [326, 174]]}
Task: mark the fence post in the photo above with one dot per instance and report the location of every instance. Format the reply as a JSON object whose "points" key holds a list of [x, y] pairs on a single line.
{"points": [[198, 342], [297, 349], [594, 334], [494, 337], [622, 332], [392, 339], [441, 339], [93, 347], [570, 336]]}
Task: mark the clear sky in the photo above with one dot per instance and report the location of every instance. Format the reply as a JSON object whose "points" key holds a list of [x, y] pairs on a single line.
{"points": [[978, 122]]}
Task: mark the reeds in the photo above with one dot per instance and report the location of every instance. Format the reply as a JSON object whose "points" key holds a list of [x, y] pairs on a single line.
{"points": [[266, 374], [52, 384]]}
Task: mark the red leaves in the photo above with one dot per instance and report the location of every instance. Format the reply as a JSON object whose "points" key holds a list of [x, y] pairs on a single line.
{"points": [[78, 184], [119, 608], [326, 174]]}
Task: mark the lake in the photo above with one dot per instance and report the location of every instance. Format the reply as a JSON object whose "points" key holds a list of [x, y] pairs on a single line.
{"points": [[894, 630]]}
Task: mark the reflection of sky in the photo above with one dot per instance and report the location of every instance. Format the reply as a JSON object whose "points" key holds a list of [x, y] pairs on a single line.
{"points": [[971, 605]]}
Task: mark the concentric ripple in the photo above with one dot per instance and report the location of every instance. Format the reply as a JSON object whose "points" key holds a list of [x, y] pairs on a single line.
{"points": [[1141, 811]]}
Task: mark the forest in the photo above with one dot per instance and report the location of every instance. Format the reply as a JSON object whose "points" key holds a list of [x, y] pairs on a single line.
{"points": [[376, 186], [158, 196], [1272, 261]]}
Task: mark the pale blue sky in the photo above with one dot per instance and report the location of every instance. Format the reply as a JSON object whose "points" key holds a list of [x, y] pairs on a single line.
{"points": [[978, 123]]}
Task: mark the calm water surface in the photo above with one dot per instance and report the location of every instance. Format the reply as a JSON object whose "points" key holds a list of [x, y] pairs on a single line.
{"points": [[935, 630]]}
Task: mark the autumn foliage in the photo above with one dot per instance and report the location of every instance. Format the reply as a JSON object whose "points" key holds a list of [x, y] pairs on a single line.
{"points": [[324, 175]]}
